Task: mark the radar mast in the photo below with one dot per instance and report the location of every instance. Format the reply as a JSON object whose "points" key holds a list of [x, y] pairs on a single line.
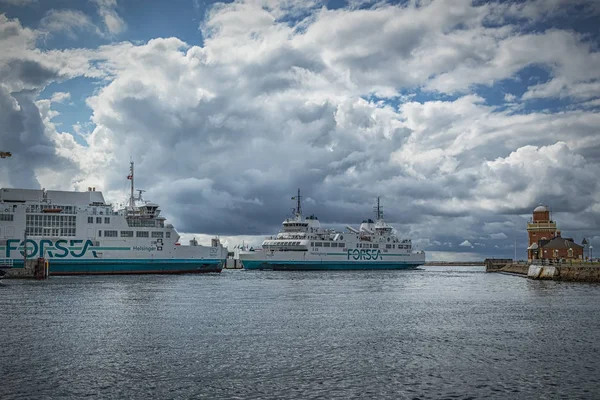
{"points": [[298, 210]]}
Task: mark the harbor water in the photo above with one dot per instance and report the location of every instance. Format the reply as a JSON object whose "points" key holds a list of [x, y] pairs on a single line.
{"points": [[435, 332]]}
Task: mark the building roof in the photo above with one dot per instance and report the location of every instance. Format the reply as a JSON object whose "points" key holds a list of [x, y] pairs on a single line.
{"points": [[559, 243], [541, 208]]}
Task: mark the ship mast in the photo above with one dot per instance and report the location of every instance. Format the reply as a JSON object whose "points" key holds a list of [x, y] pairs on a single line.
{"points": [[298, 207], [378, 210], [130, 177]]}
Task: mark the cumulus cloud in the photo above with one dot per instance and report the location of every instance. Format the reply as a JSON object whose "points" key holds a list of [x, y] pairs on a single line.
{"points": [[288, 95], [68, 22], [107, 11], [60, 97]]}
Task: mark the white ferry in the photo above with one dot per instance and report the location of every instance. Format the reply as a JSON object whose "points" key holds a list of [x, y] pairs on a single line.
{"points": [[303, 245], [79, 233]]}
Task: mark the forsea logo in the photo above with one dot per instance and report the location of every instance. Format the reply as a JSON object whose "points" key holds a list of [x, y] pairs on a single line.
{"points": [[48, 248], [364, 254]]}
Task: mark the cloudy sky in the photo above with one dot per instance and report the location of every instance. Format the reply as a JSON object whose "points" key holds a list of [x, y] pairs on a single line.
{"points": [[462, 115]]}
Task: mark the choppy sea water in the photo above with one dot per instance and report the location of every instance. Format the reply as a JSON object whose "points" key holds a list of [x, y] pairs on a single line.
{"points": [[437, 332]]}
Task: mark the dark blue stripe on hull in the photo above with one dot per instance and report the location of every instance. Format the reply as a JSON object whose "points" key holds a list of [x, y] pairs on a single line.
{"points": [[123, 266], [319, 266]]}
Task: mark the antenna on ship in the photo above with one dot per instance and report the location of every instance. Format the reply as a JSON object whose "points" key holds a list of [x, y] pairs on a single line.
{"points": [[130, 177], [298, 207], [378, 210]]}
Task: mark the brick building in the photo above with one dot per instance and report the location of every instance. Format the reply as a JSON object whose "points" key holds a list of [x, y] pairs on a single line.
{"points": [[545, 240]]}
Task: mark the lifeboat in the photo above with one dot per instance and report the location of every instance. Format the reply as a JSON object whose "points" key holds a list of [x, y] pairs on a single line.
{"points": [[52, 210]]}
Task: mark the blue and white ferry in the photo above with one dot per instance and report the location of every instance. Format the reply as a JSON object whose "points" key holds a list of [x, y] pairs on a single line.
{"points": [[79, 233], [303, 245]]}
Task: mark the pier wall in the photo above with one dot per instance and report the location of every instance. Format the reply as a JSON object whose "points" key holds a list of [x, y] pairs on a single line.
{"points": [[572, 273], [581, 272], [35, 268], [519, 269], [496, 264]]}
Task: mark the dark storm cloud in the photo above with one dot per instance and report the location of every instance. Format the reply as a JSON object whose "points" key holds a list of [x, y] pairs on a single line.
{"points": [[224, 134], [23, 134]]}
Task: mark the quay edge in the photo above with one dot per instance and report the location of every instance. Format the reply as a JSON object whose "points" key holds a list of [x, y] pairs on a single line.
{"points": [[580, 272]]}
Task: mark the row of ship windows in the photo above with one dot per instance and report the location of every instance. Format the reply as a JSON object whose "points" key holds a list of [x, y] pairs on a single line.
{"points": [[393, 246], [50, 220], [140, 234], [50, 232], [6, 217], [98, 220], [145, 223], [327, 244], [368, 245]]}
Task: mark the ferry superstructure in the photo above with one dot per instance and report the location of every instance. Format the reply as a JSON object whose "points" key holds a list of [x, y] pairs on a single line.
{"points": [[302, 244], [79, 233]]}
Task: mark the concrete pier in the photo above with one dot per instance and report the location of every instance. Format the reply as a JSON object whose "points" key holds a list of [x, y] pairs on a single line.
{"points": [[568, 271], [35, 268], [587, 272], [495, 264]]}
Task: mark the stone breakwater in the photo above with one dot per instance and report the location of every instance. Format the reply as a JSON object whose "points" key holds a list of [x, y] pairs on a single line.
{"points": [[574, 273]]}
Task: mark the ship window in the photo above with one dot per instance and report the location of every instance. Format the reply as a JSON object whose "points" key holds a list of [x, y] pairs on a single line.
{"points": [[90, 220], [99, 233], [142, 234], [126, 233], [67, 232], [157, 235], [341, 244], [110, 233], [333, 244], [6, 217], [106, 220], [312, 244], [375, 246], [168, 235], [388, 246], [359, 245], [318, 244], [394, 246], [98, 220], [326, 244]]}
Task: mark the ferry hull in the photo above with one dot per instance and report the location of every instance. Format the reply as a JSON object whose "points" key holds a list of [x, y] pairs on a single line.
{"points": [[130, 266], [323, 265]]}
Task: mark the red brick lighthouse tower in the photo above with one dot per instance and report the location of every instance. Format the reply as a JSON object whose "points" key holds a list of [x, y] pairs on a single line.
{"points": [[539, 228]]}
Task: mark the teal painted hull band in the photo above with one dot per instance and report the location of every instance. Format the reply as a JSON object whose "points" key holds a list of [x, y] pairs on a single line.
{"points": [[323, 266], [125, 266]]}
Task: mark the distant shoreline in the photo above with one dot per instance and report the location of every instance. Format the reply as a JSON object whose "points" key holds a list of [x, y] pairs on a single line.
{"points": [[451, 263]]}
